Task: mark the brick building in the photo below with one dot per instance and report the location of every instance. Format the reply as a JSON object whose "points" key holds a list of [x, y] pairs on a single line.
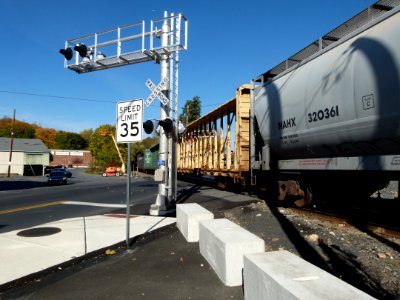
{"points": [[75, 158]]}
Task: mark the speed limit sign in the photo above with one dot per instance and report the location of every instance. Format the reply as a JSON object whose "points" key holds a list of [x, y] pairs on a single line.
{"points": [[129, 121]]}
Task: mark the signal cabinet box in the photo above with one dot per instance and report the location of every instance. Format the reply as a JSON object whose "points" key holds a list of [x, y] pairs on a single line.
{"points": [[159, 175]]}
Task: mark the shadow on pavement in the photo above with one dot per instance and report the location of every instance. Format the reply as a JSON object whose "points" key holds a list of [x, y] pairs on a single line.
{"points": [[7, 185]]}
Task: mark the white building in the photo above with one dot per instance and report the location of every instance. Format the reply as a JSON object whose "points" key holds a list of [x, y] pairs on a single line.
{"points": [[29, 156]]}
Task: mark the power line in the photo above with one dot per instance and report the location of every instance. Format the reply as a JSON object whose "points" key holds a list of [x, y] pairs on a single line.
{"points": [[78, 99], [58, 97]]}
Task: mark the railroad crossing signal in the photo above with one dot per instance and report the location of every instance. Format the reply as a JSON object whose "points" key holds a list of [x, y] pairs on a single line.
{"points": [[167, 124], [157, 91]]}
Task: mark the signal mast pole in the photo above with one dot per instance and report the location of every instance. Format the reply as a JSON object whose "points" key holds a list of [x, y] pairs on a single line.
{"points": [[83, 55], [162, 197]]}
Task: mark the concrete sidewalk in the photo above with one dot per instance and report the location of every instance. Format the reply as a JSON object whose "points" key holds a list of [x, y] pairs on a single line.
{"points": [[160, 264], [25, 252]]}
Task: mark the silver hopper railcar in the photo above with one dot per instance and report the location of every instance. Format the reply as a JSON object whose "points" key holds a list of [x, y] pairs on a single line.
{"points": [[328, 118]]}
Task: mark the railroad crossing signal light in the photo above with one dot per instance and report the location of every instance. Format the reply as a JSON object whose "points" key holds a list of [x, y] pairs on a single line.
{"points": [[81, 49], [148, 126], [166, 124], [67, 53], [100, 55]]}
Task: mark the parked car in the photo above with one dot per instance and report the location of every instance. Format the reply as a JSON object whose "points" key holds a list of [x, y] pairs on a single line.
{"points": [[58, 176]]}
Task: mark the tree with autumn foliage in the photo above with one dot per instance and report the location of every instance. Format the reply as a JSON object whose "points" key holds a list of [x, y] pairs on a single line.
{"points": [[52, 138], [21, 129], [99, 141], [48, 136]]}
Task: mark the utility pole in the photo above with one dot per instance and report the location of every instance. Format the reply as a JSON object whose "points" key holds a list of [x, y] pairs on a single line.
{"points": [[11, 146], [187, 114]]}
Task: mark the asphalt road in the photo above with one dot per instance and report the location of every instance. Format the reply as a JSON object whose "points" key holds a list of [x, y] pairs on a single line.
{"points": [[28, 201]]}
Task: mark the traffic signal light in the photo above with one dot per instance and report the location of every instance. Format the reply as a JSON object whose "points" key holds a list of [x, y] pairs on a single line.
{"points": [[81, 49], [67, 53]]}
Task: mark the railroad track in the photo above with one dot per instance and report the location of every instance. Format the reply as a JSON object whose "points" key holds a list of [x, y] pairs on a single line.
{"points": [[388, 231], [373, 219]]}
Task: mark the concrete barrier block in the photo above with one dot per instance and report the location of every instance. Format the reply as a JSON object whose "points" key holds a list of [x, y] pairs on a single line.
{"points": [[223, 243], [283, 275], [188, 216]]}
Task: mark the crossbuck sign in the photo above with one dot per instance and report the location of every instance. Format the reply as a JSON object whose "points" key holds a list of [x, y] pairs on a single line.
{"points": [[157, 91]]}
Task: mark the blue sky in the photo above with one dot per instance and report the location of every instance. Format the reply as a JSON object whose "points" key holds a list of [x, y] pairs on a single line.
{"points": [[230, 43]]}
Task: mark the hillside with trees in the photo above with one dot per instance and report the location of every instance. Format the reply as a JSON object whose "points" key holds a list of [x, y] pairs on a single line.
{"points": [[52, 138], [21, 129], [98, 141]]}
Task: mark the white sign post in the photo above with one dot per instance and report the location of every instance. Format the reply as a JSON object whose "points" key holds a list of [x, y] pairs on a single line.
{"points": [[130, 121], [129, 129]]}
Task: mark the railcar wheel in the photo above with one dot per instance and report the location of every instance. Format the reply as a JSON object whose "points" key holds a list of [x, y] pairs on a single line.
{"points": [[291, 192], [306, 200]]}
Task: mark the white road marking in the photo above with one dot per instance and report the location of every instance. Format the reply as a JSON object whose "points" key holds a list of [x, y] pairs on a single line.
{"points": [[94, 204]]}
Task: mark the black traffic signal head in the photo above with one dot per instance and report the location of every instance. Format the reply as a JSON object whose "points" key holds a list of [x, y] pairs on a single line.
{"points": [[81, 49], [167, 124], [148, 126], [67, 53]]}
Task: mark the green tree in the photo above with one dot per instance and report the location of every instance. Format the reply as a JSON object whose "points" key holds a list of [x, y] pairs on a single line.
{"points": [[191, 111], [70, 140], [86, 134], [103, 148]]}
